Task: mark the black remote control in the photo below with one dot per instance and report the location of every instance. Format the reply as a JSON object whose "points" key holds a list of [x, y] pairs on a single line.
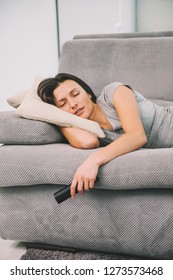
{"points": [[64, 193]]}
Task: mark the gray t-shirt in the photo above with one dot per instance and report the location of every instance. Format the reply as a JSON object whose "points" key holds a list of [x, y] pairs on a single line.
{"points": [[153, 117]]}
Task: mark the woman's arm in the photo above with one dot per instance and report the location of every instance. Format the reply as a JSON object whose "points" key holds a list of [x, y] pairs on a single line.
{"points": [[133, 139], [79, 138], [134, 136]]}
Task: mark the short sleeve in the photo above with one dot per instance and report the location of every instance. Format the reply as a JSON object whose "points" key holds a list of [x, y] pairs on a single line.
{"points": [[105, 101], [108, 92]]}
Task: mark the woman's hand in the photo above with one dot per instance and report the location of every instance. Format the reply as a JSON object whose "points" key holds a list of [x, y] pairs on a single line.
{"points": [[84, 177]]}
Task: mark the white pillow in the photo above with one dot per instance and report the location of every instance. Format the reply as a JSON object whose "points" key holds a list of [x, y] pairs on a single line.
{"points": [[17, 99], [32, 107]]}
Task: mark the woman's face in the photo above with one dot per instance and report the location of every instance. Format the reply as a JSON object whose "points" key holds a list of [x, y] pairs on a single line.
{"points": [[71, 97]]}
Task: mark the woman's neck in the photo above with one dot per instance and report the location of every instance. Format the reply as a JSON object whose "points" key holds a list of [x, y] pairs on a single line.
{"points": [[99, 117]]}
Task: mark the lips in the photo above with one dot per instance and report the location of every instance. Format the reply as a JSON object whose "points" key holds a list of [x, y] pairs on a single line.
{"points": [[79, 111]]}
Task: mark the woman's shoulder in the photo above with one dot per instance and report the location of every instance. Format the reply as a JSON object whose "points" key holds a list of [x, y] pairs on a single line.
{"points": [[108, 92], [112, 86]]}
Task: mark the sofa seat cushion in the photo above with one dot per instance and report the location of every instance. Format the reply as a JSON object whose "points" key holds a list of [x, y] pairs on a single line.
{"points": [[57, 163], [136, 222]]}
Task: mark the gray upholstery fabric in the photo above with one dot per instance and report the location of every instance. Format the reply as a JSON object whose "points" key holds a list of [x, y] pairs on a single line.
{"points": [[126, 35], [137, 222], [56, 164], [143, 63], [19, 131], [163, 103]]}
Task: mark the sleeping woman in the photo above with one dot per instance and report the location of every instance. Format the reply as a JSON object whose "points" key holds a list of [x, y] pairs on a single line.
{"points": [[129, 121]]}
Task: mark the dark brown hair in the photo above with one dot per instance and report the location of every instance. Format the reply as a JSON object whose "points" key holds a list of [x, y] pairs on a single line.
{"points": [[47, 86]]}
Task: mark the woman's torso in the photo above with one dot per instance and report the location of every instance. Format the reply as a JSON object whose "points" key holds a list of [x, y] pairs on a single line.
{"points": [[157, 120]]}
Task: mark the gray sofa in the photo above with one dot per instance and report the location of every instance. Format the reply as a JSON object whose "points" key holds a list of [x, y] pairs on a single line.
{"points": [[130, 210]]}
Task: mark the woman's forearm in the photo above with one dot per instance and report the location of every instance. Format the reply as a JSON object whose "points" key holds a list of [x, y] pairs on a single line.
{"points": [[126, 143], [79, 138]]}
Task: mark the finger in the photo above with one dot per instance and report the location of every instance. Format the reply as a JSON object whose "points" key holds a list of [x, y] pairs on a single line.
{"points": [[91, 183], [73, 188], [80, 186], [86, 185]]}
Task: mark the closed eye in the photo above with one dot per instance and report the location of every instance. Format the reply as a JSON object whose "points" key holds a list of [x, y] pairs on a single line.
{"points": [[61, 104], [75, 93]]}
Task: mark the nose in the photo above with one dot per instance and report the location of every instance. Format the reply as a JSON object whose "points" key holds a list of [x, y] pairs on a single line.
{"points": [[73, 104]]}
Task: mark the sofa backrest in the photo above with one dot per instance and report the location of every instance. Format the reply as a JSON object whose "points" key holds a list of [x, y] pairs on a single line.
{"points": [[144, 63], [126, 35]]}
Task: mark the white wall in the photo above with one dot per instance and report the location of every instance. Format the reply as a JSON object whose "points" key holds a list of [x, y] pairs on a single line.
{"points": [[154, 15], [78, 17], [28, 35], [28, 44]]}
